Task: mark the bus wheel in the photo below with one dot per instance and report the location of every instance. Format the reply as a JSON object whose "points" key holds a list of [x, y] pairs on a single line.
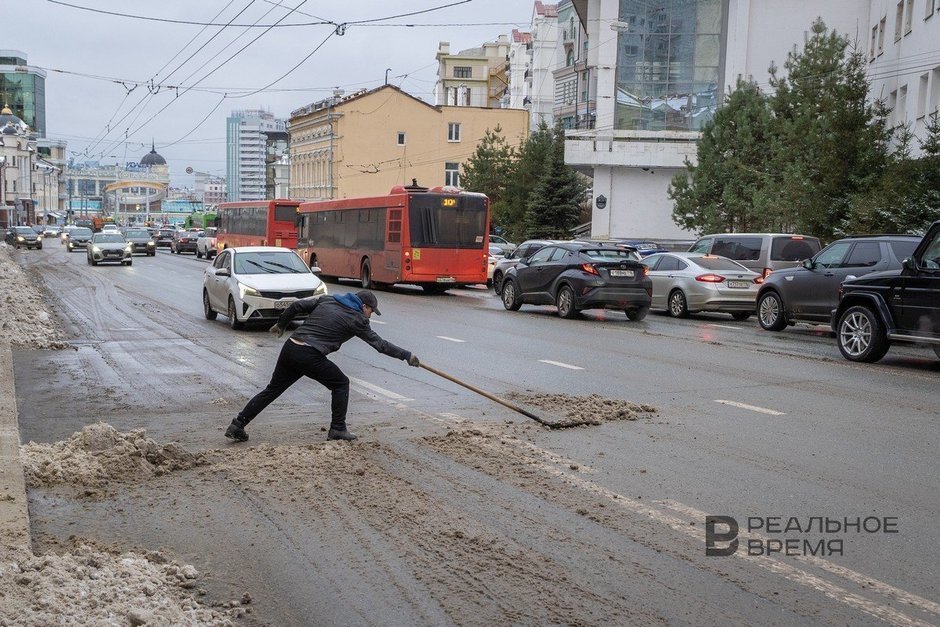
{"points": [[366, 276]]}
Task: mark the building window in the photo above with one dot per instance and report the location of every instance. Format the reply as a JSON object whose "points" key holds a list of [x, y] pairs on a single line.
{"points": [[667, 65], [452, 174], [565, 92], [463, 71], [922, 96], [453, 132], [882, 26], [569, 58], [401, 138], [874, 41], [899, 21], [909, 17]]}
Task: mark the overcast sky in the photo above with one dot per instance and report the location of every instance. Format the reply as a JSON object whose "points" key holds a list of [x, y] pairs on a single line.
{"points": [[97, 49]]}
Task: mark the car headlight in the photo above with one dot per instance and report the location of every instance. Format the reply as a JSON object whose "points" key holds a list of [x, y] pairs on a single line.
{"points": [[150, 244], [95, 249], [20, 238], [244, 290], [129, 248], [320, 291]]}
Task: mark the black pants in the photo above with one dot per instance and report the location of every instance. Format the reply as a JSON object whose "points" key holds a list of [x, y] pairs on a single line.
{"points": [[295, 361]]}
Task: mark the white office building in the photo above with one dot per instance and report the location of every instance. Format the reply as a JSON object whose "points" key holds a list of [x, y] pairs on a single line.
{"points": [[659, 69], [247, 134]]}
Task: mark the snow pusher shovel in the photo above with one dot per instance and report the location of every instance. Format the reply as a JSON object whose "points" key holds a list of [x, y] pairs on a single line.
{"points": [[557, 424]]}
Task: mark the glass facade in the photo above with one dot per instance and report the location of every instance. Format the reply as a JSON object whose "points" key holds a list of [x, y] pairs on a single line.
{"points": [[26, 96], [667, 64]]}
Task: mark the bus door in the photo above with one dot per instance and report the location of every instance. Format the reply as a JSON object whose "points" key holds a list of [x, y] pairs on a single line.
{"points": [[393, 240]]}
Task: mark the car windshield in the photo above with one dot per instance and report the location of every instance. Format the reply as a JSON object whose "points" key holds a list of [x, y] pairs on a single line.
{"points": [[24, 230], [80, 232], [209, 233], [137, 233], [109, 238], [609, 254], [269, 263], [718, 263]]}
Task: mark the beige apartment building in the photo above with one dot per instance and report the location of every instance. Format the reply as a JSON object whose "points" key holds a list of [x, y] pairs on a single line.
{"points": [[365, 143]]}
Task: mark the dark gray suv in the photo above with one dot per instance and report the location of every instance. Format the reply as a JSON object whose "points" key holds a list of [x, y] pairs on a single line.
{"points": [[810, 292]]}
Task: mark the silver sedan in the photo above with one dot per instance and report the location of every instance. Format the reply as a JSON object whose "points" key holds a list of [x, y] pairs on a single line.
{"points": [[685, 283]]}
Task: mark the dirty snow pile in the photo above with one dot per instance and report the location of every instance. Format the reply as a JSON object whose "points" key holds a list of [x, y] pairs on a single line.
{"points": [[24, 316], [592, 409], [100, 454], [91, 587]]}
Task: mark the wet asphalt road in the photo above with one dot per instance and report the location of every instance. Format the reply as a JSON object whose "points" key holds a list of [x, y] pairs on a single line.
{"points": [[594, 525]]}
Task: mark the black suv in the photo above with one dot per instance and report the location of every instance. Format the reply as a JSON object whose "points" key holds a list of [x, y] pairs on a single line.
{"points": [[896, 306], [810, 292]]}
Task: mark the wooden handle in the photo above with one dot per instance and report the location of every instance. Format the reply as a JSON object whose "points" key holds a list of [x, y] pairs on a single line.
{"points": [[511, 406]]}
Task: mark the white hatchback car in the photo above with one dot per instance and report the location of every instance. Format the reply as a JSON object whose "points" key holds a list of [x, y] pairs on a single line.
{"points": [[256, 283]]}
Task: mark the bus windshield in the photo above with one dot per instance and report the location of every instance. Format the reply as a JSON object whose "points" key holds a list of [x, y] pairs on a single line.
{"points": [[433, 225]]}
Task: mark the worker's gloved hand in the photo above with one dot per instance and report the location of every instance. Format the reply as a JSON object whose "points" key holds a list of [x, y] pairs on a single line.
{"points": [[276, 330], [413, 360]]}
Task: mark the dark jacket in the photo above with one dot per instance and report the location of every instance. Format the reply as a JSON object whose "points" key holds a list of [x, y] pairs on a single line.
{"points": [[329, 323]]}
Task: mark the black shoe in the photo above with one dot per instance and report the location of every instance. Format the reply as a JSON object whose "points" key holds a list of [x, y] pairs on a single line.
{"points": [[236, 432], [336, 434]]}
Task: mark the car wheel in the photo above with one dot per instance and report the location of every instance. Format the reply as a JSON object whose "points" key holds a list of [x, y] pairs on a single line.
{"points": [[207, 309], [636, 313], [88, 259], [740, 315], [770, 314], [498, 283], [130, 262], [861, 336], [511, 300], [39, 247], [198, 254], [564, 300], [365, 276], [153, 254], [678, 306], [233, 315]]}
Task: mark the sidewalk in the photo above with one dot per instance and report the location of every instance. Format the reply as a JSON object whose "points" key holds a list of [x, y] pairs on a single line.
{"points": [[15, 542]]}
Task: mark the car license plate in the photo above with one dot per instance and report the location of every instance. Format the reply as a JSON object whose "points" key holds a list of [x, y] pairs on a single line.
{"points": [[282, 304], [626, 273], [446, 279], [738, 284]]}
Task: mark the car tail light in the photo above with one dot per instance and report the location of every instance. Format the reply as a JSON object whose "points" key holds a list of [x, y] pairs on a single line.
{"points": [[759, 280], [766, 272], [646, 270], [709, 278], [590, 269]]}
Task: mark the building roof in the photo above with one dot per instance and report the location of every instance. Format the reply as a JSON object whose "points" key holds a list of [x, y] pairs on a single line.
{"points": [[546, 10], [10, 124], [521, 37], [152, 158]]}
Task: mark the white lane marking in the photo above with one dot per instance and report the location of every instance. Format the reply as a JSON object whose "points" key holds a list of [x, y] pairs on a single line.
{"points": [[762, 410], [560, 365], [879, 610], [377, 390], [863, 580], [723, 326], [450, 339]]}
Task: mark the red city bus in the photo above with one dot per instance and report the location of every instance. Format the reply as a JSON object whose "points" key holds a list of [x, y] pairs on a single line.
{"points": [[257, 223], [436, 238]]}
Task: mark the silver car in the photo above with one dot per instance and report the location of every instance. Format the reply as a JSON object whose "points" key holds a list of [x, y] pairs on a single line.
{"points": [[256, 283], [109, 246], [685, 283]]}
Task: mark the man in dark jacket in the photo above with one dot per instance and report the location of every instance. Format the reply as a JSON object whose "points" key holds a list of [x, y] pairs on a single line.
{"points": [[331, 320]]}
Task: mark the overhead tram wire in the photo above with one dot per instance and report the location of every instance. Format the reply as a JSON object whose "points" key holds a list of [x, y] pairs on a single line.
{"points": [[151, 94], [190, 22], [210, 73], [282, 76]]}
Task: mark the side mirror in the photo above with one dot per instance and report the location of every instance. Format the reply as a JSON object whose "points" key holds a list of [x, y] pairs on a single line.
{"points": [[223, 272], [809, 264], [908, 264], [315, 269]]}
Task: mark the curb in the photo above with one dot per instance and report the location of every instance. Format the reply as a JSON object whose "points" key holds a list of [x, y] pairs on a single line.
{"points": [[15, 540]]}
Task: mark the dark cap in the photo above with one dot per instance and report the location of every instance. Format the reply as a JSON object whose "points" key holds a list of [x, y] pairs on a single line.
{"points": [[368, 298]]}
